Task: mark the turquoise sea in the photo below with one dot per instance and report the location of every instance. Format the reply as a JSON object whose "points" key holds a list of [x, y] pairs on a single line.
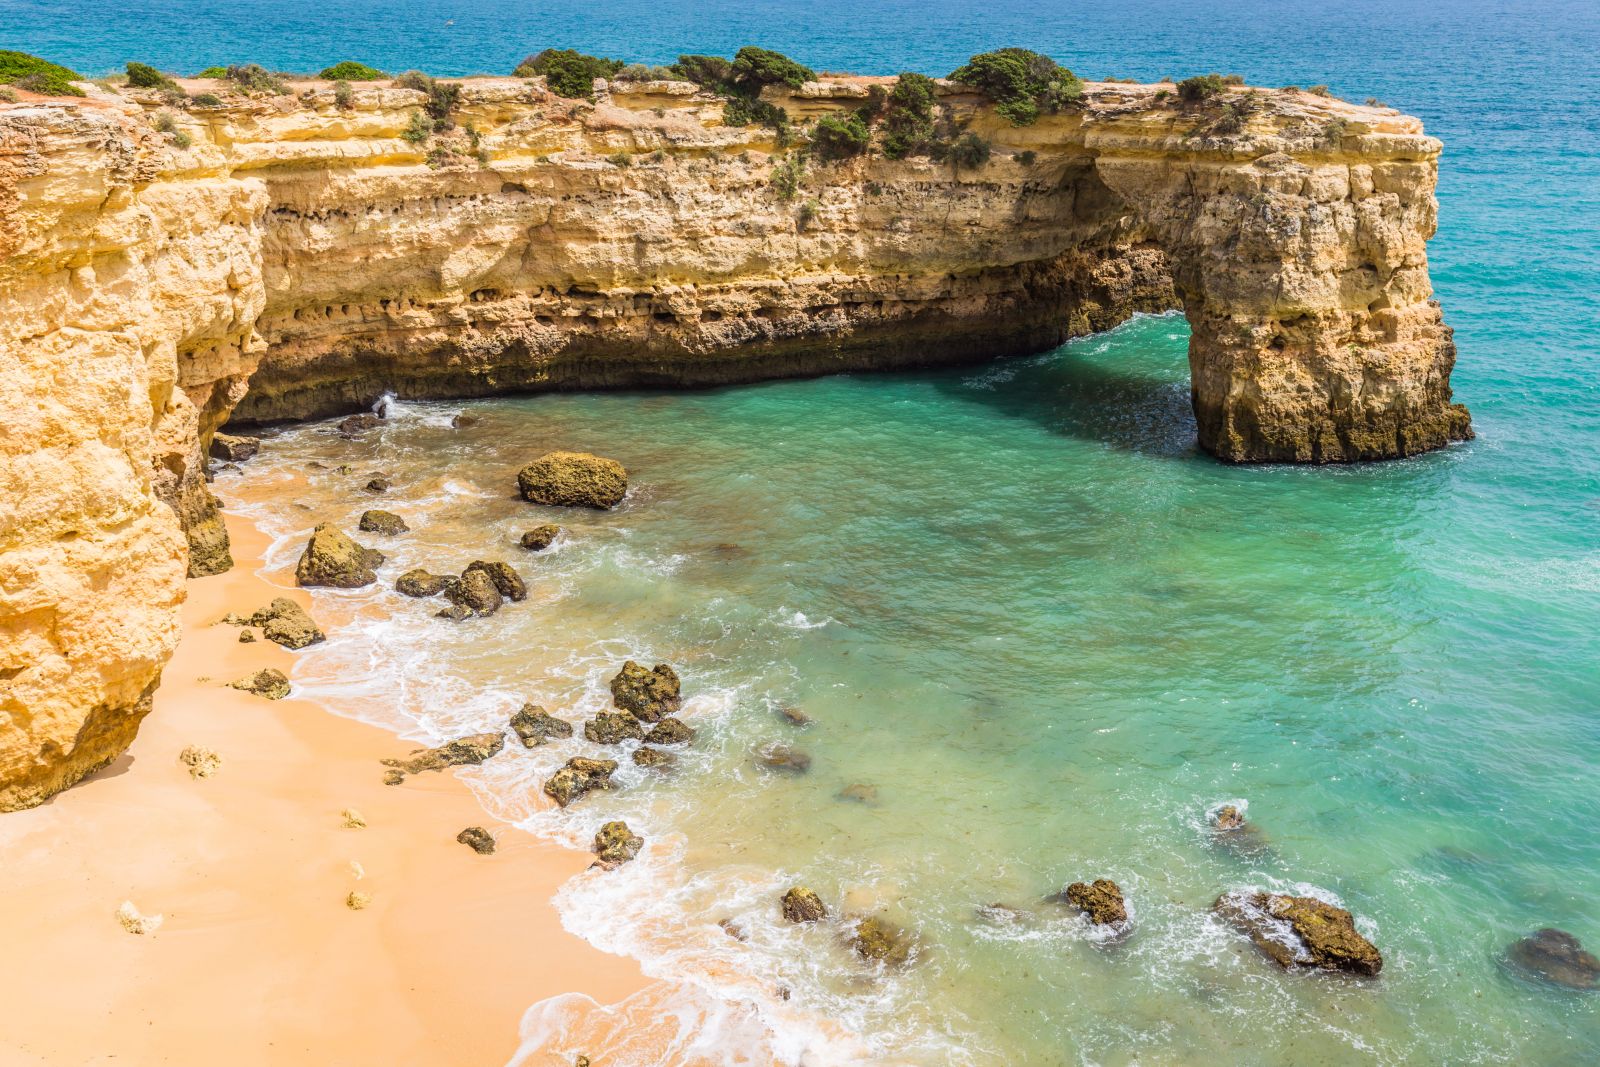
{"points": [[1017, 601]]}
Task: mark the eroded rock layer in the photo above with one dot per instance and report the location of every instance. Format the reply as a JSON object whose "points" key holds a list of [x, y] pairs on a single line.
{"points": [[285, 257]]}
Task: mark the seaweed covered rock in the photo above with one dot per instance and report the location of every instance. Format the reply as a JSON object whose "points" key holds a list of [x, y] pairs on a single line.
{"points": [[478, 839], [860, 792], [506, 581], [1101, 900], [580, 776], [879, 939], [473, 594], [573, 479], [466, 750], [233, 449], [653, 757], [269, 683], [534, 726], [670, 731], [420, 583], [1301, 931], [1556, 957], [379, 484], [286, 623], [333, 559], [616, 844], [647, 694], [541, 537], [779, 757], [801, 905], [613, 728], [383, 522]]}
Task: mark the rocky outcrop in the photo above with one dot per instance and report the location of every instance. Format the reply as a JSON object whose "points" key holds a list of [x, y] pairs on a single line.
{"points": [[379, 521], [1100, 900], [331, 558], [573, 480], [534, 726], [464, 751], [1301, 931], [580, 776], [616, 844], [300, 258], [801, 905], [648, 694]]}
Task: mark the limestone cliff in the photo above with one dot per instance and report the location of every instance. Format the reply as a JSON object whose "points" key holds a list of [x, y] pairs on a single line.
{"points": [[291, 256]]}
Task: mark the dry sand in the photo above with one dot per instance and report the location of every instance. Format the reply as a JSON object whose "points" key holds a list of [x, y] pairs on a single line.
{"points": [[258, 959]]}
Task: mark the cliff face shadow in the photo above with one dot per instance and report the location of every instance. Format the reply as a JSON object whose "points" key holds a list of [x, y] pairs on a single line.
{"points": [[1076, 392]]}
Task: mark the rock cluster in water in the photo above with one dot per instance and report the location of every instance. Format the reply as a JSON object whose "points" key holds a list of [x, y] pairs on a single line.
{"points": [[1323, 936], [1101, 900], [647, 694]]}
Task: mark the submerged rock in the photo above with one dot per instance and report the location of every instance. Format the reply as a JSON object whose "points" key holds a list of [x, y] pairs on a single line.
{"points": [[801, 905], [478, 839], [653, 757], [351, 425], [535, 726], [670, 731], [648, 694], [383, 522], [420, 583], [1100, 900], [333, 559], [1301, 931], [1003, 914], [541, 537], [379, 484], [234, 449], [1234, 833], [613, 728], [1228, 817], [794, 716], [466, 750], [616, 844], [1557, 957], [779, 757], [269, 683], [879, 939], [573, 479], [578, 777], [473, 594], [860, 793], [507, 581], [284, 622], [462, 421]]}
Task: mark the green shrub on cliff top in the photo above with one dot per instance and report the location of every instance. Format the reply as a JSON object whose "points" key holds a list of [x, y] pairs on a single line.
{"points": [[839, 137], [1022, 84], [351, 71], [1197, 89], [37, 75], [254, 78], [213, 72], [144, 76], [908, 124], [711, 72], [755, 68], [567, 72]]}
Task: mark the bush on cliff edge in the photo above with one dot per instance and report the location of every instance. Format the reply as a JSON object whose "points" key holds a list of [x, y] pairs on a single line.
{"points": [[1022, 84], [567, 72], [351, 71], [37, 75]]}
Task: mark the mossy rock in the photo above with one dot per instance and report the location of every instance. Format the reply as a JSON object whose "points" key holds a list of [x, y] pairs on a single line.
{"points": [[879, 939], [269, 683], [332, 559], [382, 522], [654, 758], [1325, 936], [613, 728], [474, 593], [535, 726], [573, 479], [286, 623], [580, 776], [541, 537], [1100, 900], [801, 905], [1556, 957], [478, 839], [464, 751], [616, 844], [507, 581], [670, 731], [648, 694], [420, 583]]}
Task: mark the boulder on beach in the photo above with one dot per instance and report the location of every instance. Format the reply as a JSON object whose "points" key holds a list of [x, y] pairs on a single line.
{"points": [[234, 449], [653, 757], [613, 728], [647, 694], [333, 559], [247, 636], [351, 425], [1556, 957], [420, 583], [801, 905], [1300, 931], [670, 731], [1101, 900], [580, 776], [201, 761], [879, 939], [466, 750], [535, 726], [541, 537], [383, 522], [573, 479], [473, 594], [478, 839], [269, 683], [284, 622], [616, 844], [507, 581], [780, 757]]}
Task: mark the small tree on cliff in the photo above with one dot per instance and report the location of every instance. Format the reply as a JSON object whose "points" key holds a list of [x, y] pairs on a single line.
{"points": [[568, 72], [1022, 84], [908, 123], [839, 137]]}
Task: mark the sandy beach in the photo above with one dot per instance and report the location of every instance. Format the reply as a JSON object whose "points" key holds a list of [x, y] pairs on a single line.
{"points": [[258, 959]]}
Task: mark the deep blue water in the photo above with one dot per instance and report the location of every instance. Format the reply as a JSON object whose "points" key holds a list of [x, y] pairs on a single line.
{"points": [[1059, 632]]}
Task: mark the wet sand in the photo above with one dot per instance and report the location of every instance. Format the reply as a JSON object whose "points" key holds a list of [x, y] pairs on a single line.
{"points": [[258, 959]]}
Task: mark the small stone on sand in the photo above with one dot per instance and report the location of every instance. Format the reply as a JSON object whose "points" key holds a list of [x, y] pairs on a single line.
{"points": [[353, 819], [357, 900], [135, 923], [201, 761]]}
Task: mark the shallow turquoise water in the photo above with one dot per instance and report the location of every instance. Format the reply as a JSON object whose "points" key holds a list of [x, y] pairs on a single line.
{"points": [[1051, 633]]}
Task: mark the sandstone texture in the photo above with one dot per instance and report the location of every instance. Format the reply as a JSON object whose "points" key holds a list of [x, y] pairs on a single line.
{"points": [[331, 558], [534, 726], [573, 480], [580, 775], [301, 259], [647, 694], [616, 844], [801, 905], [1101, 900]]}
